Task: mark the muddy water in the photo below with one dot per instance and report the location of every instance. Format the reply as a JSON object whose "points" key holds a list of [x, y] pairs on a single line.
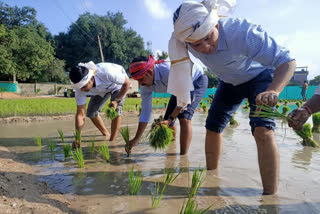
{"points": [[103, 187]]}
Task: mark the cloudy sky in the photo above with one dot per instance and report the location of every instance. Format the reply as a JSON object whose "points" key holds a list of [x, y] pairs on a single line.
{"points": [[291, 22]]}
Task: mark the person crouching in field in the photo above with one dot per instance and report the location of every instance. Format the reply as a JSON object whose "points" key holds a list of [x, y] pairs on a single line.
{"points": [[100, 81], [249, 64], [153, 77]]}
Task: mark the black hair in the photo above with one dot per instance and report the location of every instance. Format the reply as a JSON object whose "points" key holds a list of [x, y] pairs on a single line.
{"points": [[140, 58], [77, 73], [176, 14]]}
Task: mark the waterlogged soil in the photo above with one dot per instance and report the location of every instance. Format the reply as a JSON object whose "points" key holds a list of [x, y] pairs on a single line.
{"points": [[102, 187]]}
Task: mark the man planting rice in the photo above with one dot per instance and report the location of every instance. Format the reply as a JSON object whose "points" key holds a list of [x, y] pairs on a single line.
{"points": [[101, 81], [153, 77], [248, 62]]}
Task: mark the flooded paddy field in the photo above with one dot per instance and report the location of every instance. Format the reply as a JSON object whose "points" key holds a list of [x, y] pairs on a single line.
{"points": [[103, 187]]}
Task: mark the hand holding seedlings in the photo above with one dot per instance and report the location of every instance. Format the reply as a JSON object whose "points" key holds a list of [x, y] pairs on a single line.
{"points": [[269, 98], [113, 104], [299, 116]]}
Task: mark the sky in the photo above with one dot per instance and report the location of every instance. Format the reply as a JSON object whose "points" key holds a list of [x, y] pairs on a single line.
{"points": [[292, 23]]}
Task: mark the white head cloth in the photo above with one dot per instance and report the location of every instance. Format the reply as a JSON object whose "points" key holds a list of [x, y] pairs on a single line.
{"points": [[92, 70], [194, 22]]}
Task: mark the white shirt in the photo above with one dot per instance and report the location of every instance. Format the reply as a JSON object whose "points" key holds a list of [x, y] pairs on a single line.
{"points": [[108, 79]]}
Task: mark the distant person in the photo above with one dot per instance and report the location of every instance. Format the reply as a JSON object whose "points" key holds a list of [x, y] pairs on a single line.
{"points": [[300, 116], [249, 64], [153, 76], [304, 90], [101, 81], [65, 92]]}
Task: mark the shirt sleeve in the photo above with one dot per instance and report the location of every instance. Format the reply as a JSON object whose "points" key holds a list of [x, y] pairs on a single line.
{"points": [[81, 98], [114, 73], [258, 45], [146, 105]]}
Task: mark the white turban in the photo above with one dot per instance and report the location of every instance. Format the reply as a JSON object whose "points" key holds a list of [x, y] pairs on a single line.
{"points": [[195, 20], [92, 70]]}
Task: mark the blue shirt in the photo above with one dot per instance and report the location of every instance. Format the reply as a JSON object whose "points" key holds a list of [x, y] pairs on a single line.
{"points": [[109, 77], [160, 83], [244, 50]]}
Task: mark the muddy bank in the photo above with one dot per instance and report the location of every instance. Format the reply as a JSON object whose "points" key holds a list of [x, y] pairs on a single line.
{"points": [[21, 192]]}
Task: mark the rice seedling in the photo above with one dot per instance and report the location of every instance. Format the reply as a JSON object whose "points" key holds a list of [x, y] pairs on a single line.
{"points": [[170, 177], [277, 106], [135, 182], [233, 122], [92, 148], [306, 135], [67, 150], [160, 136], [125, 133], [78, 156], [285, 110], [316, 123], [104, 151], [298, 104], [52, 145], [111, 113], [77, 136], [39, 141], [246, 105], [61, 135], [286, 102], [197, 180], [204, 107], [191, 207], [268, 112], [157, 195]]}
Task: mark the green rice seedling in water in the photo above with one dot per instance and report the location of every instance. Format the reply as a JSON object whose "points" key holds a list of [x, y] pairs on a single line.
{"points": [[160, 136], [135, 182], [104, 151], [197, 180], [268, 112], [52, 146], [39, 141], [277, 106], [191, 207], [125, 133], [298, 104], [285, 102], [67, 150], [61, 135], [170, 177], [246, 105], [285, 110], [111, 113], [156, 196], [233, 122], [204, 108], [92, 148], [306, 135], [316, 123], [78, 156], [78, 139]]}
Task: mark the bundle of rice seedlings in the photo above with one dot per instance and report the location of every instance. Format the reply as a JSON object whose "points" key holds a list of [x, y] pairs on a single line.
{"points": [[298, 104], [285, 110], [61, 135], [125, 133], [277, 106], [233, 122], [316, 123], [191, 207], [39, 141], [78, 156], [104, 151], [204, 108], [268, 112], [77, 138], [52, 145], [67, 150], [111, 113], [197, 180], [135, 182], [306, 135], [160, 136], [246, 105], [165, 105]]}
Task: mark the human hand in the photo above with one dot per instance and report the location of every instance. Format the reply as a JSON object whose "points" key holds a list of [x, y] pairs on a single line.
{"points": [[269, 98], [130, 145], [166, 122], [113, 104], [298, 117]]}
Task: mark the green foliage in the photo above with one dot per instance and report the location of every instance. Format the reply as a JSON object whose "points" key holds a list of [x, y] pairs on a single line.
{"points": [[162, 56], [170, 178], [160, 136], [61, 135], [316, 122], [111, 113], [78, 156], [77, 138], [197, 180], [39, 141], [285, 110], [92, 148], [286, 102], [298, 104], [191, 207], [246, 105], [67, 150], [233, 122], [135, 182], [125, 133], [52, 145], [104, 151], [315, 81], [306, 135], [268, 112], [277, 106], [204, 108]]}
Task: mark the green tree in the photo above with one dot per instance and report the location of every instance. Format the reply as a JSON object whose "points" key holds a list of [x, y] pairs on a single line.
{"points": [[79, 44], [315, 81], [162, 55]]}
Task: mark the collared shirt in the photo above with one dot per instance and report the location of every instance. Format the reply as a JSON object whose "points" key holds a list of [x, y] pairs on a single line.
{"points": [[160, 83], [109, 77], [244, 50]]}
